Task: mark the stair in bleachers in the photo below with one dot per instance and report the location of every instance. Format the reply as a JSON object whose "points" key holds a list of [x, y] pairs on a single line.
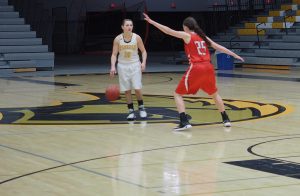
{"points": [[6, 8], [12, 21], [278, 44], [20, 49]]}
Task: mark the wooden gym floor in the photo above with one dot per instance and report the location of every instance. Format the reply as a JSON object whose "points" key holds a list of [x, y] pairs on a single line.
{"points": [[59, 136]]}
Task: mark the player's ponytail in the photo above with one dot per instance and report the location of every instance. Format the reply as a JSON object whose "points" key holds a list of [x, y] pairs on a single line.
{"points": [[192, 24]]}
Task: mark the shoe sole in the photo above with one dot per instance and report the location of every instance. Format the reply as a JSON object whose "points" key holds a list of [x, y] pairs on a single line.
{"points": [[183, 128], [227, 124]]}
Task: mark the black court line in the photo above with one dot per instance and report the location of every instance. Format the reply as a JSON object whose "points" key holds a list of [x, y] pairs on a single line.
{"points": [[213, 182], [41, 82], [274, 165], [250, 150], [231, 75], [116, 155], [54, 160]]}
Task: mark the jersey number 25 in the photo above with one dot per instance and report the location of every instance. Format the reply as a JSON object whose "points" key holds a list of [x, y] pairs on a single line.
{"points": [[201, 47]]}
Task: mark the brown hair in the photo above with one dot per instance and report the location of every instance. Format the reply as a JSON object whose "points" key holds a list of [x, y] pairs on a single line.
{"points": [[192, 24], [125, 20]]}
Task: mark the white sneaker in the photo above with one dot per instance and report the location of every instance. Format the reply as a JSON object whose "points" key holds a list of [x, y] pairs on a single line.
{"points": [[227, 123], [183, 126], [131, 115], [142, 112]]}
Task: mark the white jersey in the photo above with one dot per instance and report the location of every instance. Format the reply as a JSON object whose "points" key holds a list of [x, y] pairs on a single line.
{"points": [[128, 51]]}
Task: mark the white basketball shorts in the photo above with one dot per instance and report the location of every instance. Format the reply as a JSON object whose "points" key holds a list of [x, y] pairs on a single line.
{"points": [[130, 76]]}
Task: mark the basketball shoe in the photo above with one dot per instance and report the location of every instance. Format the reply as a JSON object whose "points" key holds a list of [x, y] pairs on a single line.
{"points": [[142, 111], [131, 115]]}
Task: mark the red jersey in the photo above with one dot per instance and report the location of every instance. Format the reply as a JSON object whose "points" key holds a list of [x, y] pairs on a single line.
{"points": [[197, 50], [201, 73]]}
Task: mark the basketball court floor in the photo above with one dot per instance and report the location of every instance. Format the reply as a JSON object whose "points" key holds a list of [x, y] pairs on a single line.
{"points": [[60, 136]]}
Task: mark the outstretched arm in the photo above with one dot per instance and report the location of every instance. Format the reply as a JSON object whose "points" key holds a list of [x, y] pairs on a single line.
{"points": [[224, 50], [179, 34]]}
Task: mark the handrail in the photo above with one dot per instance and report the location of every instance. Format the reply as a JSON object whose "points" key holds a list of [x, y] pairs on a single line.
{"points": [[235, 44], [65, 23], [239, 5], [230, 42], [258, 31], [286, 17]]}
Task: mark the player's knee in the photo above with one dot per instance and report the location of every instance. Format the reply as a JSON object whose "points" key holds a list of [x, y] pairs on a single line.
{"points": [[138, 90]]}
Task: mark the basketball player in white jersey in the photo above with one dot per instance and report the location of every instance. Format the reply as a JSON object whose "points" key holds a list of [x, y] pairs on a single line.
{"points": [[129, 67]]}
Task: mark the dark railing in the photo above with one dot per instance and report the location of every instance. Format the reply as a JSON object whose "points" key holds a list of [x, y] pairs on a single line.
{"points": [[69, 28], [286, 16], [233, 38], [235, 10], [76, 23], [257, 33]]}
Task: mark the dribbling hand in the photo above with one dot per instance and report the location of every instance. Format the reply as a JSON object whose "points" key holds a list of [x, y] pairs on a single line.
{"points": [[143, 67], [112, 72]]}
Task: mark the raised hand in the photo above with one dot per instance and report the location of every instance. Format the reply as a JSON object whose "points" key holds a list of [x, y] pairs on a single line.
{"points": [[240, 58], [147, 18]]}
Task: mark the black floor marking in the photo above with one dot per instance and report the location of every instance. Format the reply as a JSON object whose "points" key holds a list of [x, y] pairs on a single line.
{"points": [[41, 82], [273, 165], [270, 166]]}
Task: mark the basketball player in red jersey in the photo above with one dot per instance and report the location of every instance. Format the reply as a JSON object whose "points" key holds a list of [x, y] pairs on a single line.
{"points": [[200, 74]]}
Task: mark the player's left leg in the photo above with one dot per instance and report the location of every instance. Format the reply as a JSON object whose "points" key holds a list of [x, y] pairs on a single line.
{"points": [[220, 105], [139, 97], [137, 85]]}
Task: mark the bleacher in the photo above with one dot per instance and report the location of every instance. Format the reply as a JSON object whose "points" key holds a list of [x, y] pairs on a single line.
{"points": [[271, 38], [20, 48]]}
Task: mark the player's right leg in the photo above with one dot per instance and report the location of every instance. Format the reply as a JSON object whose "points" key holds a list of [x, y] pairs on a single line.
{"points": [[184, 122]]}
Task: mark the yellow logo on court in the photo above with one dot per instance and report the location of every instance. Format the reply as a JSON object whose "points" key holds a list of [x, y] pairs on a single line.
{"points": [[160, 109]]}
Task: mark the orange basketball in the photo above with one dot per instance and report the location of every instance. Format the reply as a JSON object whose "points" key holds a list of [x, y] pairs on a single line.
{"points": [[112, 92]]}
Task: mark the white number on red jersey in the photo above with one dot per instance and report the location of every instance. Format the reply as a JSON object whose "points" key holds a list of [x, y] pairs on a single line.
{"points": [[201, 47]]}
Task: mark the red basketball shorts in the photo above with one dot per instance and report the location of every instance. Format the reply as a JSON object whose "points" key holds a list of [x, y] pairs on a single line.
{"points": [[198, 76]]}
